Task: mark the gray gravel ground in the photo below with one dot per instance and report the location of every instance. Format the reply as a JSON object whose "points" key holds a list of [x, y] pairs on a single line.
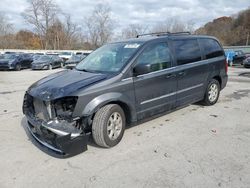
{"points": [[193, 147]]}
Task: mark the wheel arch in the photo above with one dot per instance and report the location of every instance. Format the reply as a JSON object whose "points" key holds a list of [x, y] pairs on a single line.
{"points": [[218, 78], [111, 98]]}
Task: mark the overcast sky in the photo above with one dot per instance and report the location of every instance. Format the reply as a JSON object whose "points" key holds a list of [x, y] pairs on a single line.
{"points": [[146, 12]]}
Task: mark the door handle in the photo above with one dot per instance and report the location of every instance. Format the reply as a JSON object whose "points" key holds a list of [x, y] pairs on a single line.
{"points": [[171, 76]]}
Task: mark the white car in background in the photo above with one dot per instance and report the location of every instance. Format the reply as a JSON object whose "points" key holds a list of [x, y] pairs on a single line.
{"points": [[66, 55]]}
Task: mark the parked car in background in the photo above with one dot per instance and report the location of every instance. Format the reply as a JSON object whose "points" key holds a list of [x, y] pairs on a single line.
{"points": [[235, 57], [83, 53], [47, 62], [35, 57], [66, 55], [239, 57], [73, 61], [15, 61], [52, 53], [9, 52], [246, 62]]}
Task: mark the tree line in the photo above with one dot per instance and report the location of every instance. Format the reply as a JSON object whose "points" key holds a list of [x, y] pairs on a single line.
{"points": [[53, 29], [231, 31]]}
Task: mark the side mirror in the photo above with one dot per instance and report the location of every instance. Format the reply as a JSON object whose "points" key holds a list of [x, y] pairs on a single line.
{"points": [[141, 69]]}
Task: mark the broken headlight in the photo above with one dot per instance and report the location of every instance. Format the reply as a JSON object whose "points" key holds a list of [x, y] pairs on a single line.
{"points": [[64, 107]]}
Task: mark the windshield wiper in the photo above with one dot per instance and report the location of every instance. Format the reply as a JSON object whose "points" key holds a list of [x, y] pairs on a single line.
{"points": [[84, 70]]}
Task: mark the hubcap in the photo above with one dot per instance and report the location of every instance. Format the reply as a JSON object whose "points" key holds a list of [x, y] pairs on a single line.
{"points": [[213, 92], [114, 127]]}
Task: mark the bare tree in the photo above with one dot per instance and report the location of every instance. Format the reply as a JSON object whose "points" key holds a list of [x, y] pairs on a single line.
{"points": [[173, 25], [6, 32], [71, 30], [100, 25], [41, 14], [5, 26], [63, 34], [133, 30]]}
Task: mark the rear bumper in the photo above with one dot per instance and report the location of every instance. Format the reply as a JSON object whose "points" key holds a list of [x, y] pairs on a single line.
{"points": [[224, 81]]}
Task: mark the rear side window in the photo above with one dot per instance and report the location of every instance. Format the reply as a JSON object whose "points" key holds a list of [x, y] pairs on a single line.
{"points": [[187, 51], [211, 48]]}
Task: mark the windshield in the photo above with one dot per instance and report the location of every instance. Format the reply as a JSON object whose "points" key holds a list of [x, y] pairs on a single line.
{"points": [[9, 56], [35, 57], [109, 58], [75, 58], [44, 58]]}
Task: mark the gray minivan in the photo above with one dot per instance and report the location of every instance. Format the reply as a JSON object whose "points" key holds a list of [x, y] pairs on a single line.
{"points": [[123, 83]]}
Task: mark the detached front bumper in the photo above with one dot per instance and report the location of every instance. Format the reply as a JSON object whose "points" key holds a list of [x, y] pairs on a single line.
{"points": [[59, 136]]}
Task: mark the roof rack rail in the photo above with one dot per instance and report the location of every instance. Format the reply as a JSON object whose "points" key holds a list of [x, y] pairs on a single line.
{"points": [[158, 34]]}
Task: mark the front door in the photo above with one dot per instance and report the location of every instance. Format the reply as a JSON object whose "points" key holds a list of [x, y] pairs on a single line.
{"points": [[155, 92]]}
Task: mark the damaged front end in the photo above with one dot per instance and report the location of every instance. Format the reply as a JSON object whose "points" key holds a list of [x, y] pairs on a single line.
{"points": [[51, 123]]}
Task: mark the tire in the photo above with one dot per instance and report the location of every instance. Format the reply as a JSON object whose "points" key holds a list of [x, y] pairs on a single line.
{"points": [[50, 67], [212, 93], [18, 67], [103, 131], [61, 65]]}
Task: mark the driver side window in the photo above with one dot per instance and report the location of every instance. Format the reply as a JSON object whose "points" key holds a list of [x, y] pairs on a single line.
{"points": [[157, 56]]}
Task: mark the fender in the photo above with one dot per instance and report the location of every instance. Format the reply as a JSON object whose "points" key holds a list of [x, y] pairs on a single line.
{"points": [[106, 98]]}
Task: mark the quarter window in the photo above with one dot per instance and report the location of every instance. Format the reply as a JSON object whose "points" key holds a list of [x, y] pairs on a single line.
{"points": [[211, 48], [157, 55], [187, 51]]}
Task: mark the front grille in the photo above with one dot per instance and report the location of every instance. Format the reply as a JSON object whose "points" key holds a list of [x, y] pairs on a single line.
{"points": [[37, 66], [4, 65]]}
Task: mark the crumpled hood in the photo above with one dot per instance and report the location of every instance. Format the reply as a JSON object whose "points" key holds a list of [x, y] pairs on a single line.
{"points": [[63, 84]]}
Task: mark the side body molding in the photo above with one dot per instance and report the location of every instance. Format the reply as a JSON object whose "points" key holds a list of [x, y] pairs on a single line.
{"points": [[106, 98]]}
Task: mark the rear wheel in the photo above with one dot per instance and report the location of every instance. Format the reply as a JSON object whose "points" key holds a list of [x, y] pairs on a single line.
{"points": [[108, 125], [212, 93]]}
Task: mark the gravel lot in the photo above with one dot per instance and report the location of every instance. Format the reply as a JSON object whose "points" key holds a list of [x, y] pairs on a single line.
{"points": [[193, 147]]}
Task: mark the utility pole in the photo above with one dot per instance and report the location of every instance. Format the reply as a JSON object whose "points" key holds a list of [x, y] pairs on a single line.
{"points": [[247, 38]]}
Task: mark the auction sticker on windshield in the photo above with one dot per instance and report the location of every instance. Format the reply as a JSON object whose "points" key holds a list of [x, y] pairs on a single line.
{"points": [[135, 45]]}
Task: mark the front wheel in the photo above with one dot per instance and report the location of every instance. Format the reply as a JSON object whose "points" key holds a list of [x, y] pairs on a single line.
{"points": [[18, 67], [108, 125], [212, 93], [50, 67]]}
